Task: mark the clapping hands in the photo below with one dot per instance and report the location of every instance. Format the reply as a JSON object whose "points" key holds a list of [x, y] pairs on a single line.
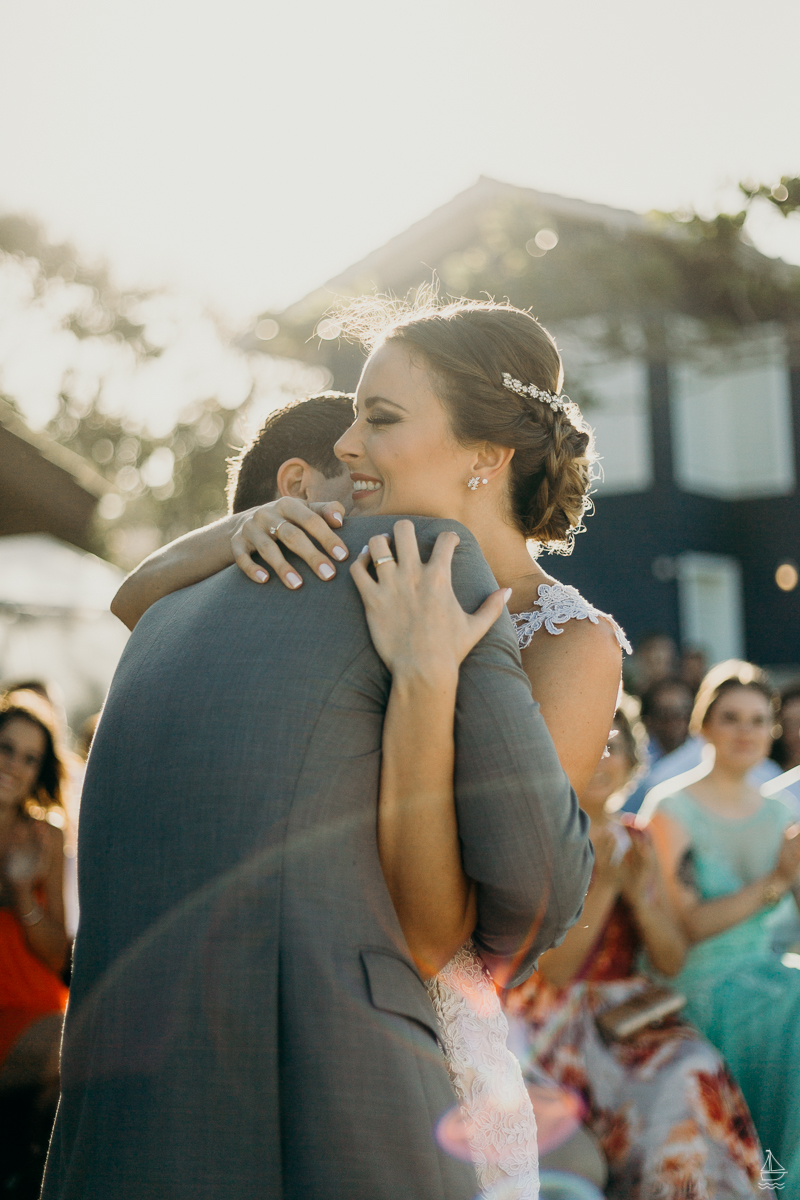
{"points": [[640, 871], [628, 867]]}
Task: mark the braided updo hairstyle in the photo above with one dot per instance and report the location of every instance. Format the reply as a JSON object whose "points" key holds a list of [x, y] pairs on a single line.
{"points": [[467, 346]]}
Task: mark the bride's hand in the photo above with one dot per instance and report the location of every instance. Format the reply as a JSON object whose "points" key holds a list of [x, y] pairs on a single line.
{"points": [[294, 523], [417, 625]]}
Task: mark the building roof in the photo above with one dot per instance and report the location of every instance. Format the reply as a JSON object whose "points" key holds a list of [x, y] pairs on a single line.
{"points": [[44, 487], [447, 228], [611, 262]]}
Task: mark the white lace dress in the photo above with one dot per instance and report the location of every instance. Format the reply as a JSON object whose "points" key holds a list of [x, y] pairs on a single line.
{"points": [[496, 1112]]}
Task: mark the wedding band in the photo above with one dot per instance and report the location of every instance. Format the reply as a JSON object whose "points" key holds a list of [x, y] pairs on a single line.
{"points": [[273, 529], [386, 558]]}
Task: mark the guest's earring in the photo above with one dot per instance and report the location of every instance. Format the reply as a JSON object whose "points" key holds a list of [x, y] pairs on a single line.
{"points": [[475, 481]]}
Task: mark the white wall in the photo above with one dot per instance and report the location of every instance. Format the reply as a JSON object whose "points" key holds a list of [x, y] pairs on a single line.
{"points": [[710, 604], [55, 622], [612, 390], [731, 411]]}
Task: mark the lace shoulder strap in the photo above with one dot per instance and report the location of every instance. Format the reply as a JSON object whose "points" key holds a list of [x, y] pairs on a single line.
{"points": [[557, 604]]}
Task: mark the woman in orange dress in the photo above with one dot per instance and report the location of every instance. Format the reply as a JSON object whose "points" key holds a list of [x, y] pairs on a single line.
{"points": [[33, 938]]}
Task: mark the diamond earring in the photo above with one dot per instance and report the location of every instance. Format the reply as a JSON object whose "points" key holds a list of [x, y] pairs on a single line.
{"points": [[474, 482]]}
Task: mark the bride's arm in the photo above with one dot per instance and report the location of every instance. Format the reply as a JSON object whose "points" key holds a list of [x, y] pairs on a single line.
{"points": [[417, 830], [235, 538], [422, 634], [575, 679]]}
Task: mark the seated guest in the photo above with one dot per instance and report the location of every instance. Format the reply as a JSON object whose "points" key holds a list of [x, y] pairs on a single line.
{"points": [[665, 712], [786, 747], [693, 668], [671, 1121], [33, 939], [694, 758], [666, 709], [731, 861], [654, 658]]}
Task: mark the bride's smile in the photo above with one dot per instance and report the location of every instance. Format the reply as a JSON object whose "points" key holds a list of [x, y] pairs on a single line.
{"points": [[364, 485], [401, 451]]}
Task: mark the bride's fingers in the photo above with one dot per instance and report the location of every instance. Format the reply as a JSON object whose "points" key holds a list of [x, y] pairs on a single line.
{"points": [[291, 513], [443, 550], [332, 511], [300, 544], [405, 540], [484, 618], [359, 573], [243, 560], [258, 542], [379, 548]]}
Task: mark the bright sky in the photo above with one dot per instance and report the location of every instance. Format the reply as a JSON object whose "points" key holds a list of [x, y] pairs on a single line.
{"points": [[246, 151]]}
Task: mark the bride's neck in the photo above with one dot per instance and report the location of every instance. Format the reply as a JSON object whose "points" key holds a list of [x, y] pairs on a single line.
{"points": [[507, 554]]}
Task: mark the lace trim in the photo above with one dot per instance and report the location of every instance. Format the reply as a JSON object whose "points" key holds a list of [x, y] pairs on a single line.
{"points": [[557, 604], [495, 1106]]}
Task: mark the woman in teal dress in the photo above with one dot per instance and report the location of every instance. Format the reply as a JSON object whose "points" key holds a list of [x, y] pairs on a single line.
{"points": [[731, 859]]}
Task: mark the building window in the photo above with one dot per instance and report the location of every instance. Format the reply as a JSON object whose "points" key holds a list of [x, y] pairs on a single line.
{"points": [[710, 605], [612, 391], [731, 413]]}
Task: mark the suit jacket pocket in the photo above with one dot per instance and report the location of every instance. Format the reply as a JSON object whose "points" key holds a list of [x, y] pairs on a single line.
{"points": [[395, 987]]}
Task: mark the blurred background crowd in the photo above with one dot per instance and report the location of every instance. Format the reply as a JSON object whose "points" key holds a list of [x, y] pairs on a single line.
{"points": [[122, 397]]}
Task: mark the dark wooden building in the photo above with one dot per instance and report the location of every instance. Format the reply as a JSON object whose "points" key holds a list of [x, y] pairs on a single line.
{"points": [[688, 368]]}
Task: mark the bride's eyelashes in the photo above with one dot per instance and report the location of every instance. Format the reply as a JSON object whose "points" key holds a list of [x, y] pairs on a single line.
{"points": [[383, 419]]}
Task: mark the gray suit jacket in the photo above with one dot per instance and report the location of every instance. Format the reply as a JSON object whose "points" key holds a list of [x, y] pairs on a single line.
{"points": [[245, 1020]]}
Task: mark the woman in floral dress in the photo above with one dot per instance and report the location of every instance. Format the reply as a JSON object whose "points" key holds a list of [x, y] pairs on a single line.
{"points": [[671, 1120]]}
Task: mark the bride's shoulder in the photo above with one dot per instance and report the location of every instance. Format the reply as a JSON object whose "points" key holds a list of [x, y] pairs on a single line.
{"points": [[559, 609]]}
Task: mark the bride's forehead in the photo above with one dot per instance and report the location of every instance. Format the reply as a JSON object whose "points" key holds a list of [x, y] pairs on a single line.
{"points": [[393, 371]]}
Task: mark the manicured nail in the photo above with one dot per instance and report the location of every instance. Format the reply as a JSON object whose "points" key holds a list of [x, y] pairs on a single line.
{"points": [[364, 550], [507, 595], [339, 552], [327, 571], [261, 576], [293, 579], [337, 517]]}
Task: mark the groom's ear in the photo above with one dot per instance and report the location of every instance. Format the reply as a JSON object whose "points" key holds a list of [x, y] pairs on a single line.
{"points": [[294, 478]]}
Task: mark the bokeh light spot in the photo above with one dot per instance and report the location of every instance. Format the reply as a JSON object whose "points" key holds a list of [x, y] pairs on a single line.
{"points": [[157, 471], [453, 1134], [103, 450], [534, 250], [328, 329], [128, 479], [558, 1115], [267, 329], [787, 577], [111, 506], [546, 239]]}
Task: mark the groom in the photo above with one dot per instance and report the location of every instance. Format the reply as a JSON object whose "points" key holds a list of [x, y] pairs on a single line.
{"points": [[245, 1020]]}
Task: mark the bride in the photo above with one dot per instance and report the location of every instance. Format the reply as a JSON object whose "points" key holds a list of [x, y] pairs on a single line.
{"points": [[458, 414]]}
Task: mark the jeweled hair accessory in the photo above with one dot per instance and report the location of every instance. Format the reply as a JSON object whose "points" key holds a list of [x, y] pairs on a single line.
{"points": [[557, 403]]}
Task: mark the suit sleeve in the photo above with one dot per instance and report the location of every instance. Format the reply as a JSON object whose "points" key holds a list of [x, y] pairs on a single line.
{"points": [[524, 838]]}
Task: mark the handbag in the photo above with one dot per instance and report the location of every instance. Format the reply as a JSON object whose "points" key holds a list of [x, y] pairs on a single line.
{"points": [[624, 1021]]}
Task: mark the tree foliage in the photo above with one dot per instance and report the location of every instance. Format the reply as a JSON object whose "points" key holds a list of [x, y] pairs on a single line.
{"points": [[638, 270], [151, 390]]}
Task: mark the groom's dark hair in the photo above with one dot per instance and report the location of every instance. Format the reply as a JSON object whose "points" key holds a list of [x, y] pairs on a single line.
{"points": [[307, 429]]}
